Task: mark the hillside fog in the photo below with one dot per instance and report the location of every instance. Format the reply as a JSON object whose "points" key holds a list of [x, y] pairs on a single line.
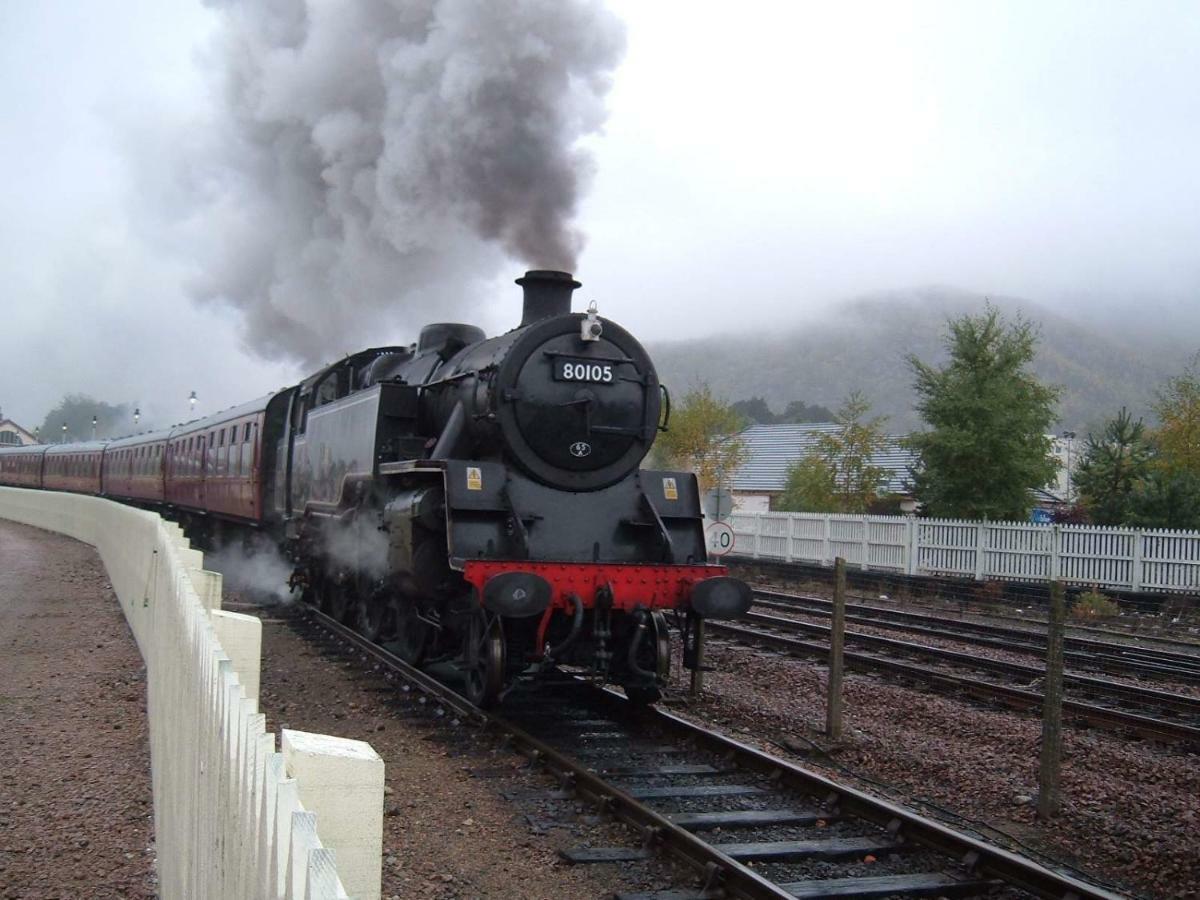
{"points": [[1101, 365]]}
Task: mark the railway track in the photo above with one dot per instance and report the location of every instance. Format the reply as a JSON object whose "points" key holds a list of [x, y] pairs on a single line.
{"points": [[1084, 653], [1176, 717], [748, 824]]}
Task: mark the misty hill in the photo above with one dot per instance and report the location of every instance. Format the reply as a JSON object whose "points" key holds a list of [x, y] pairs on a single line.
{"points": [[864, 344]]}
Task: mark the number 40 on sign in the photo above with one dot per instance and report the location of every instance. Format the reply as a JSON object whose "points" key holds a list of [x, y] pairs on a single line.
{"points": [[719, 537]]}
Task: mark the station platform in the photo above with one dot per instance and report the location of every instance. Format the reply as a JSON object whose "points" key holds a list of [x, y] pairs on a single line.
{"points": [[76, 809]]}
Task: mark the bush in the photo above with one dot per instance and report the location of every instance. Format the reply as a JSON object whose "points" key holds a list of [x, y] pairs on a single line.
{"points": [[1094, 605]]}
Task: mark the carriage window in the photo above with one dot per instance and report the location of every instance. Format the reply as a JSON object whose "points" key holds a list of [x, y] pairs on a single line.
{"points": [[246, 436]]}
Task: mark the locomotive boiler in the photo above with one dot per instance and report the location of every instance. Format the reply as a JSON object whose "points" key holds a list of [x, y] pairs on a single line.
{"points": [[480, 500]]}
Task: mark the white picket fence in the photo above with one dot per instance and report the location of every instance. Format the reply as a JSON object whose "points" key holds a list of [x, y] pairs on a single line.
{"points": [[1117, 558], [238, 814]]}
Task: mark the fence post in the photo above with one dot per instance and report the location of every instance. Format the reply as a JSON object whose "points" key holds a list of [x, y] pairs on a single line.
{"points": [[1055, 552], [910, 564], [341, 782], [1135, 568], [825, 557], [787, 540], [1050, 765], [866, 544], [980, 544], [697, 685], [837, 630], [757, 531]]}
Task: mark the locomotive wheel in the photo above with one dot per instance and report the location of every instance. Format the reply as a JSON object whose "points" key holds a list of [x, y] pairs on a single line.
{"points": [[483, 659], [320, 590], [370, 611], [655, 656], [339, 595], [412, 633]]}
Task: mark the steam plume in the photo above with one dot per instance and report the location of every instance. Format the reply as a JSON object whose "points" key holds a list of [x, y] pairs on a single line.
{"points": [[377, 160]]}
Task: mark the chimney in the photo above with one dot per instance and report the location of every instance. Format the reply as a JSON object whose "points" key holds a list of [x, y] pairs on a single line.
{"points": [[547, 294]]}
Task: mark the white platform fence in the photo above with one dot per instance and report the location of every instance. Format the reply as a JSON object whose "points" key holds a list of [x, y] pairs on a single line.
{"points": [[236, 813], [1124, 559]]}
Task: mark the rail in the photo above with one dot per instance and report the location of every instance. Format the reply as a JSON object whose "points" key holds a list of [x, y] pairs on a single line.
{"points": [[725, 875]]}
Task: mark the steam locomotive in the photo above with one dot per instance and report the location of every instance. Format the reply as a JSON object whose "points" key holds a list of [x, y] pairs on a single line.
{"points": [[465, 499]]}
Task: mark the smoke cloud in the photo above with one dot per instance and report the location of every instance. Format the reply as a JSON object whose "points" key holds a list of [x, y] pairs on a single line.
{"points": [[376, 161]]}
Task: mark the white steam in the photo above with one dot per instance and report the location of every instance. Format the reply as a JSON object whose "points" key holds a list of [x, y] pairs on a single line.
{"points": [[256, 566], [376, 161]]}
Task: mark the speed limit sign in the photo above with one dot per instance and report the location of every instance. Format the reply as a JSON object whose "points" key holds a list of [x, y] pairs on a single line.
{"points": [[720, 538]]}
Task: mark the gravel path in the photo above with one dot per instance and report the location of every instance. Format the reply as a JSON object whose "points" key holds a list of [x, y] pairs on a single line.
{"points": [[1130, 810], [75, 799]]}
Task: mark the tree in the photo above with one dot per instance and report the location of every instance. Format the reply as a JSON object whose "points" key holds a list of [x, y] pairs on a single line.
{"points": [[1167, 499], [986, 447], [76, 412], [1178, 409], [702, 437], [1112, 470], [811, 487], [798, 412], [837, 475], [755, 410]]}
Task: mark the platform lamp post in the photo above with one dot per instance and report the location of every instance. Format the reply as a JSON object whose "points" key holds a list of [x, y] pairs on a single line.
{"points": [[37, 434], [137, 416], [192, 401], [93, 428], [1069, 437], [64, 436]]}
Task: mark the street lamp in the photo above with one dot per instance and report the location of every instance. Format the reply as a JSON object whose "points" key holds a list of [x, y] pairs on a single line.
{"points": [[1069, 437], [137, 416], [64, 437], [37, 434], [192, 400], [93, 428]]}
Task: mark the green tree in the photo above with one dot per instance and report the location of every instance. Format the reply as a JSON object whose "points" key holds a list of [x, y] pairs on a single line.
{"points": [[986, 447], [76, 412], [811, 486], [1167, 499], [1178, 407], [1112, 469], [838, 475], [755, 410], [798, 413], [702, 437]]}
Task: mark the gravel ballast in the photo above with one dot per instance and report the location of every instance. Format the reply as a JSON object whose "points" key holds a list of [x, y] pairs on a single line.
{"points": [[76, 816], [1130, 809]]}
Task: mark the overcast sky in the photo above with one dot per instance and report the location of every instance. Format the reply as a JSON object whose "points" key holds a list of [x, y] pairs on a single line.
{"points": [[760, 162]]}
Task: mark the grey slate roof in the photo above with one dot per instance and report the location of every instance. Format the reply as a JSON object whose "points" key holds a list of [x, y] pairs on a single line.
{"points": [[772, 448]]}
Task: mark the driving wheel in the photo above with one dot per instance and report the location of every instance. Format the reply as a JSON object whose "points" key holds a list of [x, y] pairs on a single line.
{"points": [[371, 609], [483, 658], [654, 656], [413, 633]]}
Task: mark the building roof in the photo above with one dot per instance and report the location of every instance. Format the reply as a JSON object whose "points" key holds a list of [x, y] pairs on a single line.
{"points": [[771, 449], [26, 436]]}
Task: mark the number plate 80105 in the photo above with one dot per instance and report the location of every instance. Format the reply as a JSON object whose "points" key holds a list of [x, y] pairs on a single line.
{"points": [[568, 369]]}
